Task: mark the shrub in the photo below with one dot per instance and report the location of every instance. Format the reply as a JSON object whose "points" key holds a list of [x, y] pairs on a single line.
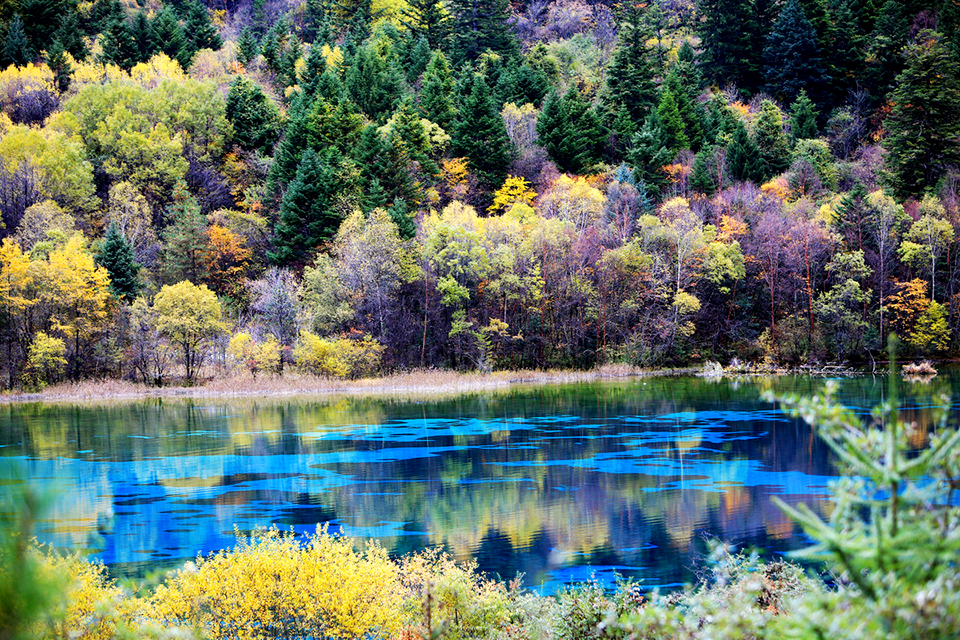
{"points": [[338, 357], [272, 586]]}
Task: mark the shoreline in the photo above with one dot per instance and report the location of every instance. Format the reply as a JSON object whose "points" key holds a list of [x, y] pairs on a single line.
{"points": [[413, 385]]}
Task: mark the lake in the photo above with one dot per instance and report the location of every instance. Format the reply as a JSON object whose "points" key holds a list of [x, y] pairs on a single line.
{"points": [[559, 482]]}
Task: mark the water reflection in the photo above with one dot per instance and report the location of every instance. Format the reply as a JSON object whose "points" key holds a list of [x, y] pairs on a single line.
{"points": [[555, 482]]}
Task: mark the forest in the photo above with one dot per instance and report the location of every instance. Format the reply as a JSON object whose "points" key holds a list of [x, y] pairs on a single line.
{"points": [[351, 187]]}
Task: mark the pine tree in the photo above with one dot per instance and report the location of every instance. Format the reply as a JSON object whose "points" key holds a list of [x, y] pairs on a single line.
{"points": [[247, 48], [924, 128], [728, 32], [402, 218], [771, 141], [687, 105], [803, 118], [258, 20], [649, 152], [884, 53], [185, 239], [373, 196], [743, 157], [169, 38], [308, 213], [60, 65], [949, 24], [418, 59], [843, 54], [71, 36], [119, 46], [385, 164], [570, 131], [851, 219], [287, 62], [480, 135], [479, 25], [428, 19], [435, 103], [630, 89], [374, 83], [16, 47], [200, 30], [143, 37], [255, 119], [38, 16], [116, 256], [703, 177], [792, 55], [673, 126], [287, 156], [522, 84]]}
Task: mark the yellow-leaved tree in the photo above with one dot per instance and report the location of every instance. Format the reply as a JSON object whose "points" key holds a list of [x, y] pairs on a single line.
{"points": [[74, 298], [189, 316]]}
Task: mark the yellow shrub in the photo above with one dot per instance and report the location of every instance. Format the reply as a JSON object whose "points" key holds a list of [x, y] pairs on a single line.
{"points": [[338, 357], [271, 586]]}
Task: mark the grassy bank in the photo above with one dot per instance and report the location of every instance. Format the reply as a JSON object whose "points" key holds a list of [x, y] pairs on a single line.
{"points": [[418, 384]]}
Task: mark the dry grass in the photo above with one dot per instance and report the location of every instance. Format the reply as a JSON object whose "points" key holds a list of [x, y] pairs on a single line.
{"points": [[416, 384], [924, 368]]}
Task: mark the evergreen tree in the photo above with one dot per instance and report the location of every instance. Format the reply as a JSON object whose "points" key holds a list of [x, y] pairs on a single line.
{"points": [[884, 53], [16, 47], [258, 20], [255, 119], [116, 256], [949, 24], [687, 105], [287, 156], [672, 123], [287, 62], [373, 196], [374, 83], [570, 131], [480, 25], [119, 46], [522, 84], [143, 37], [59, 64], [649, 152], [105, 12], [728, 32], [38, 16], [851, 219], [480, 135], [843, 54], [427, 19], [923, 137], [247, 48], [418, 59], [743, 157], [402, 218], [435, 103], [185, 239], [169, 38], [200, 30], [385, 164], [771, 141], [630, 90], [792, 55], [71, 36], [719, 123], [308, 213], [703, 177], [803, 118]]}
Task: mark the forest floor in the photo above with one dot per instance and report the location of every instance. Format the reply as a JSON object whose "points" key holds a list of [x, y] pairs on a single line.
{"points": [[413, 385]]}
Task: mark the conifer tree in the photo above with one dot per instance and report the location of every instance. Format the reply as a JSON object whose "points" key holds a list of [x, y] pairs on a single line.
{"points": [[428, 19], [38, 16], [803, 118], [286, 158], [402, 218], [169, 38], [116, 256], [418, 59], [703, 177], [479, 25], [373, 196], [105, 12], [387, 164], [884, 53], [728, 32], [570, 131], [673, 125], [924, 128], [119, 46], [16, 47], [649, 152], [771, 141], [480, 135], [374, 83], [851, 219], [792, 55], [71, 36], [308, 213], [255, 119], [686, 98], [143, 37], [199, 29], [60, 66], [247, 48], [185, 238], [743, 157], [630, 89], [287, 62], [843, 54], [522, 84], [258, 22]]}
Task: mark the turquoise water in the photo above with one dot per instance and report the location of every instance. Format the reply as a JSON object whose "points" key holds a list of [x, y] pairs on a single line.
{"points": [[558, 482]]}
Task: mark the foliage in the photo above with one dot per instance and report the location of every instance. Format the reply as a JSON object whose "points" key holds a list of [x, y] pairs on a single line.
{"points": [[338, 357], [116, 256], [188, 315]]}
